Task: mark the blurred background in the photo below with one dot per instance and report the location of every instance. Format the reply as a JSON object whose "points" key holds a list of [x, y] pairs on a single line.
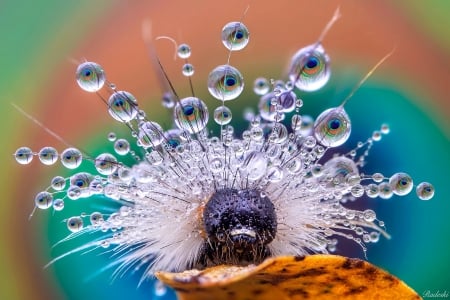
{"points": [[42, 43]]}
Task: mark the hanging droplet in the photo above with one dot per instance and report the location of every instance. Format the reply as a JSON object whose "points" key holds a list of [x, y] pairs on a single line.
{"points": [[225, 83], [261, 86], [48, 155], [184, 51], [112, 136], [122, 147], [310, 68], [188, 70], [401, 183], [23, 155], [96, 218], [43, 200], [385, 190], [81, 180], [58, 204], [123, 106], [222, 115], [425, 191], [58, 183], [71, 158], [75, 224], [106, 164], [235, 36], [90, 76], [191, 114], [332, 127], [150, 134]]}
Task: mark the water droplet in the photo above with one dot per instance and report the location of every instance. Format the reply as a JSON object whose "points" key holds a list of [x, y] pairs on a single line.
{"points": [[222, 115], [23, 155], [385, 129], [58, 204], [188, 70], [122, 147], [296, 122], [377, 177], [369, 215], [184, 51], [96, 218], [384, 190], [123, 106], [43, 200], [81, 180], [287, 100], [225, 83], [112, 137], [216, 165], [191, 114], [261, 86], [150, 134], [274, 174], [90, 76], [75, 224], [58, 183], [401, 184], [372, 190], [266, 109], [71, 158], [332, 127], [310, 68], [48, 155], [255, 165], [235, 36], [106, 164], [294, 165], [425, 191], [357, 190]]}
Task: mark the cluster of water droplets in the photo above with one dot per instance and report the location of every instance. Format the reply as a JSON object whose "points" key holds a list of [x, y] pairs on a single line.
{"points": [[282, 154]]}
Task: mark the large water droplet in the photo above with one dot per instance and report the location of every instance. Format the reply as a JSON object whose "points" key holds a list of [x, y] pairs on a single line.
{"points": [[48, 155], [401, 184], [222, 115], [425, 191], [310, 68], [191, 114], [332, 127], [75, 224], [225, 83], [90, 76], [106, 164], [235, 36], [255, 165], [43, 200], [71, 158], [123, 106], [150, 134], [23, 155]]}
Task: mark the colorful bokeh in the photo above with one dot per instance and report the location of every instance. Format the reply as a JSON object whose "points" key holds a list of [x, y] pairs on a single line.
{"points": [[42, 42]]}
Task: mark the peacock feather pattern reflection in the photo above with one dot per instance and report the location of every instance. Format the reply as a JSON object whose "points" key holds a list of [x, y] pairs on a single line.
{"points": [[192, 200]]}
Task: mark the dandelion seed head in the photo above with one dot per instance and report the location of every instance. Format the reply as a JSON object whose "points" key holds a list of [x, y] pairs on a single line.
{"points": [[194, 199]]}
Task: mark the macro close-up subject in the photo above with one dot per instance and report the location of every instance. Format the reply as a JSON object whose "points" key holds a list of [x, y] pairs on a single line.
{"points": [[236, 150]]}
